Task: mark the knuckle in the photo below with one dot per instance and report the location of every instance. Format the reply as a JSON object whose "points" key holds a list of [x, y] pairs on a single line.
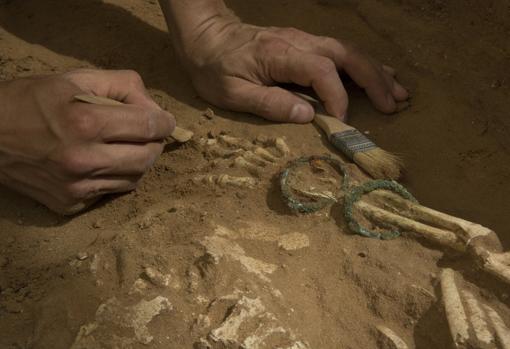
{"points": [[270, 44], [324, 66], [289, 32], [330, 42], [148, 126], [77, 191], [226, 95], [82, 122], [133, 78], [78, 74], [73, 163]]}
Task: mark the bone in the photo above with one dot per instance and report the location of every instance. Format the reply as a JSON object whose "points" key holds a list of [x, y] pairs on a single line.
{"points": [[224, 180], [217, 151], [236, 142], [502, 331], [478, 319], [253, 169], [497, 264], [264, 154], [381, 216], [462, 228], [455, 314], [255, 159], [157, 278], [282, 146], [445, 230], [390, 339]]}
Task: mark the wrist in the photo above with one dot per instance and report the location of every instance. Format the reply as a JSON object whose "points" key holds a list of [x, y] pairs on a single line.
{"points": [[196, 23]]}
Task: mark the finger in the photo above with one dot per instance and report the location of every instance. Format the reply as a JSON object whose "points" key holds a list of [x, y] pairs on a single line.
{"points": [[128, 123], [399, 93], [311, 70], [124, 159], [272, 103], [123, 85], [389, 70], [367, 73], [91, 188]]}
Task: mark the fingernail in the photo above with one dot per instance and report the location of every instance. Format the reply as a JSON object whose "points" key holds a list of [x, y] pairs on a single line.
{"points": [[301, 113]]}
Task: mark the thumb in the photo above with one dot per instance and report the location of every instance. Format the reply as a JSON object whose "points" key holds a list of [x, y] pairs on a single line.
{"points": [[272, 103]]}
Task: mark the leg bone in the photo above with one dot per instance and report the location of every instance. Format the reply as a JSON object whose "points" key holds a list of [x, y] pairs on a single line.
{"points": [[502, 331], [455, 314]]}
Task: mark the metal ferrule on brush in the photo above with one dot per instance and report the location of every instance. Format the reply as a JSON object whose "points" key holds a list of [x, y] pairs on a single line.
{"points": [[351, 142]]}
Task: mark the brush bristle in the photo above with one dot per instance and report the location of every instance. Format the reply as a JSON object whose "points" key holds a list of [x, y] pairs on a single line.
{"points": [[380, 164]]}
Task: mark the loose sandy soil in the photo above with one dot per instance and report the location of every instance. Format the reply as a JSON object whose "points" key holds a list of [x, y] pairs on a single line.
{"points": [[322, 285]]}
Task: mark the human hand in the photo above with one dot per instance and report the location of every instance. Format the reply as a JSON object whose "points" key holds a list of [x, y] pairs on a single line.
{"points": [[67, 154], [236, 66]]}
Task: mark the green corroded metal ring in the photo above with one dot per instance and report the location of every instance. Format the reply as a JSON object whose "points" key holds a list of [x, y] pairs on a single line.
{"points": [[355, 194], [287, 192]]}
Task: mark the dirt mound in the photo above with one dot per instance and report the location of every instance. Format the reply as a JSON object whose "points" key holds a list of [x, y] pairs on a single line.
{"points": [[196, 258]]}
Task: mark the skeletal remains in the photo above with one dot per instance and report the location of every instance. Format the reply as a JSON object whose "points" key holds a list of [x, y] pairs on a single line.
{"points": [[480, 326], [473, 324], [383, 207], [241, 153]]}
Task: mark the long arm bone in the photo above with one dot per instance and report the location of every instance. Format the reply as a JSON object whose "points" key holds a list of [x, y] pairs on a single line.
{"points": [[463, 229], [446, 230], [384, 217]]}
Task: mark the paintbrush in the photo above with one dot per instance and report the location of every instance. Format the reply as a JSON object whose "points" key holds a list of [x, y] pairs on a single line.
{"points": [[179, 134], [377, 162]]}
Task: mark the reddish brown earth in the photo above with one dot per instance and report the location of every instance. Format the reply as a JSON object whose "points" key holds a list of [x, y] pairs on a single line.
{"points": [[335, 288]]}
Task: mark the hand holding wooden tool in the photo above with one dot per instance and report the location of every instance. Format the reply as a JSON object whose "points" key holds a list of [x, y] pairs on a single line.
{"points": [[179, 134]]}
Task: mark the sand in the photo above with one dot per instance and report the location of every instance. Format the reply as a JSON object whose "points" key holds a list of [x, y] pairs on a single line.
{"points": [[220, 256]]}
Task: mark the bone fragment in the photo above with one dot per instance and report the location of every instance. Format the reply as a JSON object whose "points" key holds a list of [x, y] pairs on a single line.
{"points": [[502, 331], [255, 159], [241, 162], [264, 154], [157, 278], [455, 314], [497, 264], [478, 319], [236, 142], [390, 339], [225, 180], [217, 151], [282, 146]]}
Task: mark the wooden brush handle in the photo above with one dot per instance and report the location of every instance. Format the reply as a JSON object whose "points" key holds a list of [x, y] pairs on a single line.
{"points": [[179, 134], [330, 125]]}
